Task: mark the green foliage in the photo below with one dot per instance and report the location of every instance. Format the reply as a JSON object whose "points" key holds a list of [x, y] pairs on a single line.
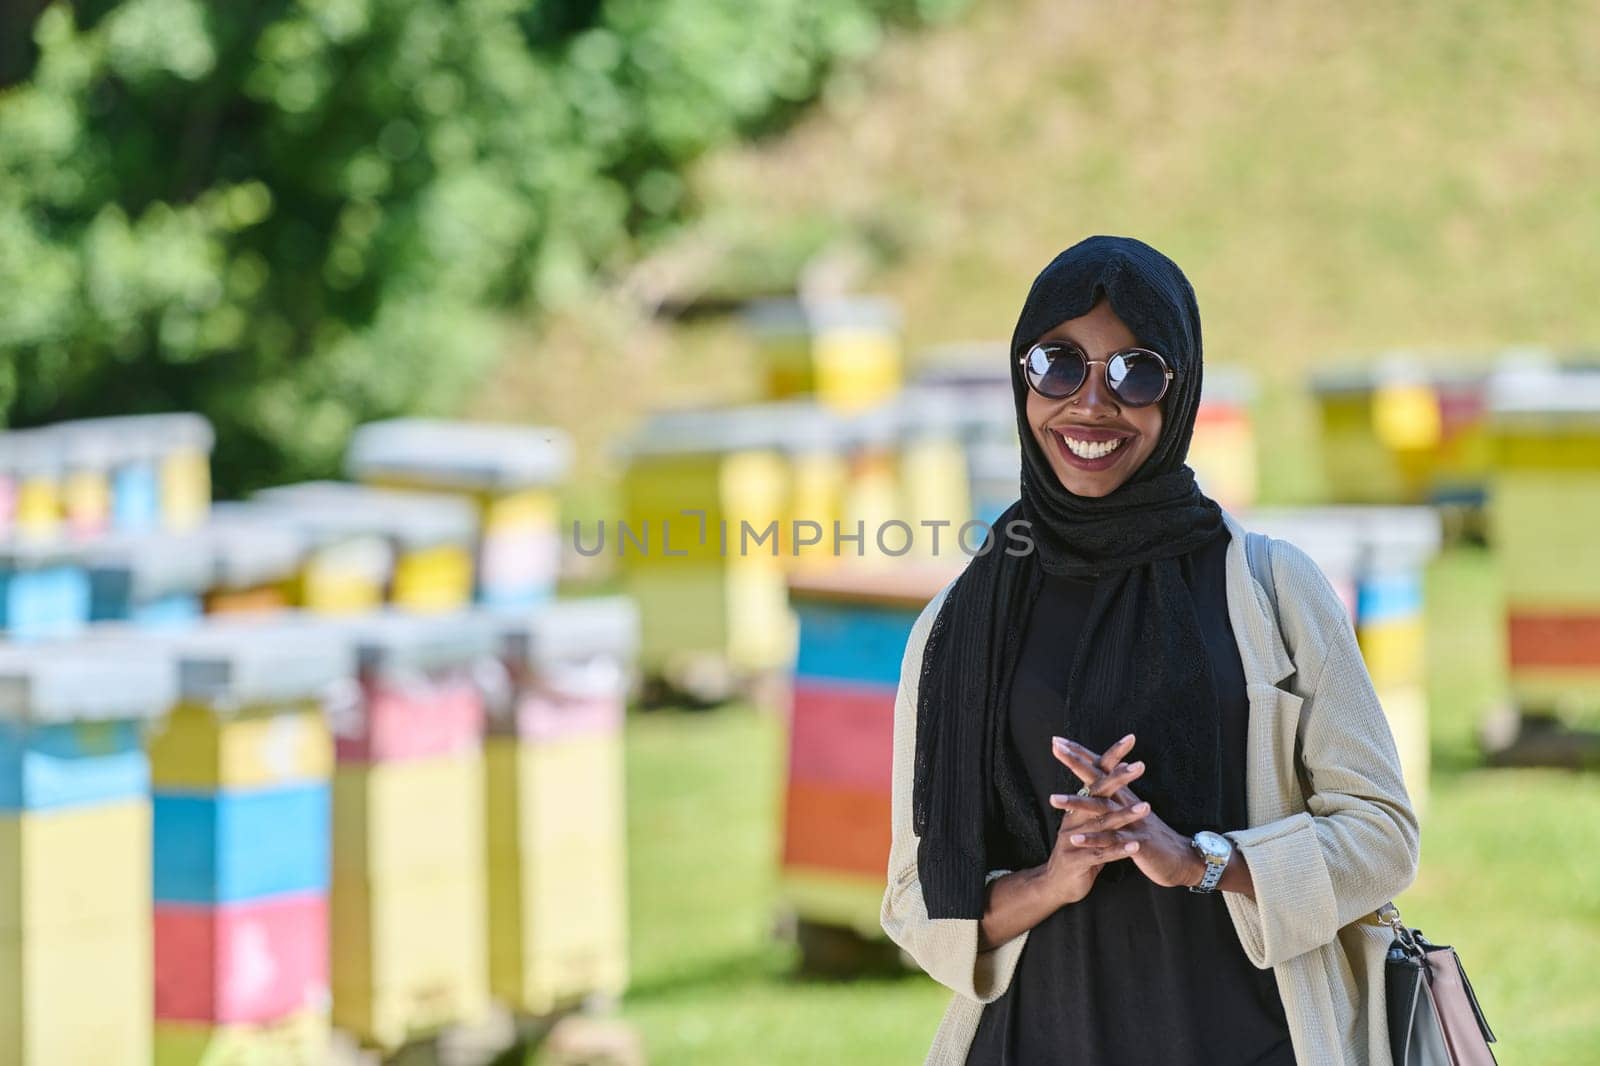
{"points": [[297, 216]]}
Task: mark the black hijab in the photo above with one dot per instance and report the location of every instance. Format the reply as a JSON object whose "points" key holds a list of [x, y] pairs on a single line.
{"points": [[1141, 657]]}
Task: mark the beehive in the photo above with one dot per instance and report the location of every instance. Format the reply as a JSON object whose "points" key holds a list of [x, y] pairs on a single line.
{"points": [[343, 566], [699, 544], [934, 491], [845, 352], [75, 854], [1222, 452], [409, 896], [88, 453], [836, 819], [432, 536], [1376, 559], [1544, 505], [254, 560], [1402, 433], [556, 830], [44, 589], [149, 579], [975, 380], [135, 473], [35, 482], [511, 475], [241, 774]]}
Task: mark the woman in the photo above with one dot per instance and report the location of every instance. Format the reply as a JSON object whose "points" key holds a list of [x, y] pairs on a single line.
{"points": [[1207, 902]]}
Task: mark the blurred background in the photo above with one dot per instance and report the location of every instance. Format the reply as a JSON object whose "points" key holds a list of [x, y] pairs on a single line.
{"points": [[356, 355]]}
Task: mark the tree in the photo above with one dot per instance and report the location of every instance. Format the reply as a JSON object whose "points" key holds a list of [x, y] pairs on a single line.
{"points": [[298, 216]]}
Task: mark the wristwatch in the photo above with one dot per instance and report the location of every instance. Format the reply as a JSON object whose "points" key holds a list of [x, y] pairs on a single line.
{"points": [[1215, 849]]}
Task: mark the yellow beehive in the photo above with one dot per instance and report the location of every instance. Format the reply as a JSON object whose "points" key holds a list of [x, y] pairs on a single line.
{"points": [[738, 615], [78, 994], [872, 492], [509, 476], [75, 930], [86, 864], [525, 509], [408, 902], [346, 578], [812, 440], [433, 535], [845, 352], [194, 748], [711, 585], [408, 954], [1393, 650], [185, 476], [1544, 507], [88, 453], [931, 476], [414, 814], [1539, 517], [433, 580], [1406, 707], [1399, 434], [818, 480], [299, 1040], [557, 874], [37, 504], [736, 490]]}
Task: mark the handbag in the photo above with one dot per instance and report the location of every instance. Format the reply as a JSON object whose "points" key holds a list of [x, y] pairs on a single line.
{"points": [[1434, 1016]]}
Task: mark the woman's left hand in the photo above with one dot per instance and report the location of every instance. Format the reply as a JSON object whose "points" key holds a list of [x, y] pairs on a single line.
{"points": [[1165, 856]]}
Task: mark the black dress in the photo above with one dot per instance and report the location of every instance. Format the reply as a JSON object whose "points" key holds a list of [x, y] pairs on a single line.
{"points": [[1132, 973]]}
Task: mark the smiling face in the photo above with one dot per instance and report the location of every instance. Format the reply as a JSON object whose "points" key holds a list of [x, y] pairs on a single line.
{"points": [[1075, 433]]}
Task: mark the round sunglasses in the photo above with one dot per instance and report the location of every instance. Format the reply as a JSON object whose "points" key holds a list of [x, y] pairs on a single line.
{"points": [[1137, 377]]}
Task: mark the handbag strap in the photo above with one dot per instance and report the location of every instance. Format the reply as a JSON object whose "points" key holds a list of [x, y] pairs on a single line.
{"points": [[1258, 555]]}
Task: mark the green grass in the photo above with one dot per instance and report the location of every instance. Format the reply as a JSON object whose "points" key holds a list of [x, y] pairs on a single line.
{"points": [[1509, 876], [713, 983]]}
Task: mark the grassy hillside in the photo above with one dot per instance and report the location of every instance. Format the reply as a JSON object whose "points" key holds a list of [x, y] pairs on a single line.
{"points": [[1336, 180]]}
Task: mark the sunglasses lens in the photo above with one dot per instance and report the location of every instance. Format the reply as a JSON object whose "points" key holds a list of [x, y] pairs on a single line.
{"points": [[1138, 378], [1054, 371]]}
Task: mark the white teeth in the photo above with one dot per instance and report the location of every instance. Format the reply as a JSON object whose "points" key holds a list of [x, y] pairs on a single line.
{"points": [[1091, 449]]}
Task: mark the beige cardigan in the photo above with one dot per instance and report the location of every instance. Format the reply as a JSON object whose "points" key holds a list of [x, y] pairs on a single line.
{"points": [[1332, 835]]}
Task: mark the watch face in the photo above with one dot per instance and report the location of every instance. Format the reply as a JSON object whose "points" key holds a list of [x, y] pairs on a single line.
{"points": [[1212, 846]]}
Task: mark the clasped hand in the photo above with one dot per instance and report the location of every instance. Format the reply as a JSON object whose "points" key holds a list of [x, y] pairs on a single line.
{"points": [[1112, 824]]}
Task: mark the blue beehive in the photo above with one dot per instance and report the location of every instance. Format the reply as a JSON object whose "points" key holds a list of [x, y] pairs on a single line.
{"points": [[44, 590], [71, 724]]}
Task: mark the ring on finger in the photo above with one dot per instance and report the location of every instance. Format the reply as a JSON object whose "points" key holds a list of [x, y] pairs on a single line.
{"points": [[1085, 791]]}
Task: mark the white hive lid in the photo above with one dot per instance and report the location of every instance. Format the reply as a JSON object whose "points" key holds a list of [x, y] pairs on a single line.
{"points": [[84, 681], [562, 631], [391, 641], [156, 563], [784, 316], [1535, 391], [251, 545], [148, 436], [327, 510], [785, 426], [469, 455], [1331, 536], [244, 661]]}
